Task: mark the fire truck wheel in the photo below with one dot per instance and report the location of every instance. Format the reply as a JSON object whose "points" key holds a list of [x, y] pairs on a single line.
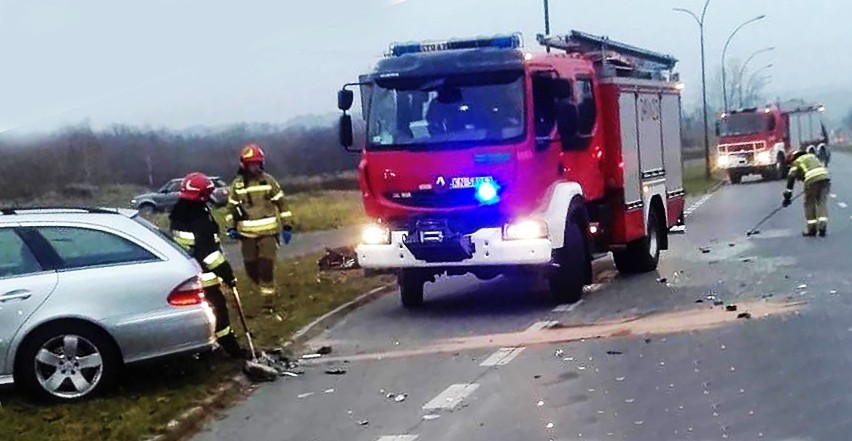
{"points": [[642, 256], [411, 287], [735, 178], [567, 281], [781, 169]]}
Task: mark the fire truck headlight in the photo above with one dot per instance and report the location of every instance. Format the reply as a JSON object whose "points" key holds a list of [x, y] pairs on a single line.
{"points": [[486, 193], [722, 161], [525, 230], [375, 235], [764, 158]]}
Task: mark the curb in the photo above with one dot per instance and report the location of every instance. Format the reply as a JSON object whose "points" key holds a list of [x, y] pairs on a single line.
{"points": [[177, 428]]}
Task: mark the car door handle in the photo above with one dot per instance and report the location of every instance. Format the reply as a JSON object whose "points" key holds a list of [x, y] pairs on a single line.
{"points": [[21, 294]]}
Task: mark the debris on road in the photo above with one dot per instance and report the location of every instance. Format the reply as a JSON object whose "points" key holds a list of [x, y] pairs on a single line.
{"points": [[328, 391], [363, 422], [833, 292], [699, 301], [311, 356], [431, 417], [803, 286], [744, 315], [662, 280], [325, 350], [732, 245], [536, 377], [335, 371], [750, 233], [549, 425], [614, 352], [704, 250], [341, 259], [718, 302], [745, 259], [540, 403], [731, 308], [304, 395], [559, 353], [399, 398]]}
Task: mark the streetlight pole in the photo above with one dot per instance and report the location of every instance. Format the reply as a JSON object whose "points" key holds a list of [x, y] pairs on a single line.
{"points": [[754, 81], [725, 52], [700, 21], [745, 65], [547, 20]]}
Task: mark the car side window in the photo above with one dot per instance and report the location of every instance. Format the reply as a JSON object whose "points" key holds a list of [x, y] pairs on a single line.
{"points": [[173, 187], [16, 259], [83, 247]]}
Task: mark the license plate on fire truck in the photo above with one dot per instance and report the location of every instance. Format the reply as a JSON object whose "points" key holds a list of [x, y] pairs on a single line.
{"points": [[469, 181]]}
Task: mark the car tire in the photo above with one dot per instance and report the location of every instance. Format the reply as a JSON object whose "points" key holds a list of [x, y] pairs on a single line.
{"points": [[147, 209], [643, 255], [573, 261], [67, 362], [411, 283]]}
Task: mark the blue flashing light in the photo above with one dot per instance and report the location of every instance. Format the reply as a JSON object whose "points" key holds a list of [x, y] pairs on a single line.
{"points": [[512, 41], [487, 193]]}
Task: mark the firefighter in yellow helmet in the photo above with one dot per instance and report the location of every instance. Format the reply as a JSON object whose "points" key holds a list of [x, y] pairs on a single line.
{"points": [[259, 218], [807, 167]]}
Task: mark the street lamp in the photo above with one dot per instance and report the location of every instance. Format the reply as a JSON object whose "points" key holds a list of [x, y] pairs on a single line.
{"points": [[725, 52], [745, 65], [700, 21], [753, 80]]}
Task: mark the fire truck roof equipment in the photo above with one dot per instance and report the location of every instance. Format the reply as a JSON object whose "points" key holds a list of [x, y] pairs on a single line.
{"points": [[627, 60], [510, 41]]}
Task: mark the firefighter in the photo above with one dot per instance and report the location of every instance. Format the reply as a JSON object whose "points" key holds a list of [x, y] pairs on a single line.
{"points": [[194, 228], [808, 168], [259, 218]]}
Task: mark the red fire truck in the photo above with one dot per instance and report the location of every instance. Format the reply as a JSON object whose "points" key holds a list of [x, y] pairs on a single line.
{"points": [[483, 158], [761, 140]]}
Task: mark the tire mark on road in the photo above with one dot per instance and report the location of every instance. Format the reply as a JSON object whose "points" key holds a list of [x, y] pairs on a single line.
{"points": [[502, 357]]}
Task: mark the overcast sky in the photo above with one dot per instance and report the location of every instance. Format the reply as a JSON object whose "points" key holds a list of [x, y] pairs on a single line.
{"points": [[180, 63]]}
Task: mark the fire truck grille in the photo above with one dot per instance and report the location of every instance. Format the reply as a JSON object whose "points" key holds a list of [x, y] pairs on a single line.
{"points": [[742, 147], [462, 197]]}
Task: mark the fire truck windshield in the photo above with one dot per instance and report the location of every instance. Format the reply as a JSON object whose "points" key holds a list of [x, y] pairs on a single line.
{"points": [[451, 111], [739, 124]]}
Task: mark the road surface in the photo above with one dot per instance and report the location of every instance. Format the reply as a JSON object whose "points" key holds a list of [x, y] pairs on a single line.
{"points": [[497, 361]]}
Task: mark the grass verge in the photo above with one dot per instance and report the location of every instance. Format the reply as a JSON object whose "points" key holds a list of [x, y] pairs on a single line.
{"points": [[150, 396], [695, 181]]}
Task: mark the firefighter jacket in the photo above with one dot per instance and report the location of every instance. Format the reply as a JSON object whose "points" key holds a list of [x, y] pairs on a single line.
{"points": [[195, 230], [257, 206], [806, 168]]}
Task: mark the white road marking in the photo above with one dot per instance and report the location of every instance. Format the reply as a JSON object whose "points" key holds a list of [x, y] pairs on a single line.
{"points": [[398, 438], [451, 397], [568, 307], [502, 357], [697, 204], [538, 326], [842, 204]]}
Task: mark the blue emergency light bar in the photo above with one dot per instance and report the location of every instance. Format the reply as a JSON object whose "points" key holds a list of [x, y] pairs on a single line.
{"points": [[513, 41]]}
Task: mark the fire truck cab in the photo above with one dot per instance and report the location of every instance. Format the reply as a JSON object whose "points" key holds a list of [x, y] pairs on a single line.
{"points": [[481, 157], [761, 140]]}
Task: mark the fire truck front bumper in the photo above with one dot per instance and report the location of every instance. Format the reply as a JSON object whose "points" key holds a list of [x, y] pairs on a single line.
{"points": [[484, 248]]}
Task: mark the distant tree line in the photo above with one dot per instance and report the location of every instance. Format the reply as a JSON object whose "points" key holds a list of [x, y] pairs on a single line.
{"points": [[78, 155]]}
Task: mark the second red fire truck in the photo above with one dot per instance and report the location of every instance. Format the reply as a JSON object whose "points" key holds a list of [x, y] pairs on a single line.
{"points": [[481, 157], [761, 140]]}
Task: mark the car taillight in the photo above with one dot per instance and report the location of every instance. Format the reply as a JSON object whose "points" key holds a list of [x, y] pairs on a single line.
{"points": [[188, 293]]}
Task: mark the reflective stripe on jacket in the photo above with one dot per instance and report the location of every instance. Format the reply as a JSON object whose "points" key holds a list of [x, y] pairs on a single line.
{"points": [[257, 206], [807, 168]]}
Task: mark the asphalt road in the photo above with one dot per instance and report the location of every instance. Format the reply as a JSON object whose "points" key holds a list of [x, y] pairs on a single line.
{"points": [[637, 359]]}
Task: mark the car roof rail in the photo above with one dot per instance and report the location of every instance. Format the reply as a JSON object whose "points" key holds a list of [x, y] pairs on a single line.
{"points": [[93, 210]]}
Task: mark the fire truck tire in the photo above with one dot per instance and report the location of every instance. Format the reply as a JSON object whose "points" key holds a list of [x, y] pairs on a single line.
{"points": [[411, 287], [781, 168], [642, 256], [568, 279], [735, 178]]}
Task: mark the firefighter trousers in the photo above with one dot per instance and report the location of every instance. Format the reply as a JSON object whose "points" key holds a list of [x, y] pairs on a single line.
{"points": [[259, 256], [816, 206], [224, 333]]}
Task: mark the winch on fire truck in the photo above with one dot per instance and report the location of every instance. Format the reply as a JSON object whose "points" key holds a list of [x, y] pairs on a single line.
{"points": [[483, 158]]}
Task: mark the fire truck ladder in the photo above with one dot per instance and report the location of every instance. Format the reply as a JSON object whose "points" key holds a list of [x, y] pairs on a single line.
{"points": [[614, 58]]}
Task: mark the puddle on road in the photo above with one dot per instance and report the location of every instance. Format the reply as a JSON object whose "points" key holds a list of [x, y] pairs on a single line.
{"points": [[697, 319]]}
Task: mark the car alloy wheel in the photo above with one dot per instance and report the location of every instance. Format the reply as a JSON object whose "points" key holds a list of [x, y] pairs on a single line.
{"points": [[69, 366]]}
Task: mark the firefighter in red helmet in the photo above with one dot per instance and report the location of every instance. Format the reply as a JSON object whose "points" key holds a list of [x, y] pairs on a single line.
{"points": [[259, 218], [194, 228]]}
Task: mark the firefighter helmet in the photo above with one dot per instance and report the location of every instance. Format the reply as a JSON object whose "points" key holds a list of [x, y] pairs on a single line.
{"points": [[251, 153], [196, 187]]}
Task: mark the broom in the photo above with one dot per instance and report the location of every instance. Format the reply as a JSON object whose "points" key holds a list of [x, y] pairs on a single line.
{"points": [[252, 368]]}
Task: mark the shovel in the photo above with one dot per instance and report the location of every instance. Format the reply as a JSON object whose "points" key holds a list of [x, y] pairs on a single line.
{"points": [[252, 368]]}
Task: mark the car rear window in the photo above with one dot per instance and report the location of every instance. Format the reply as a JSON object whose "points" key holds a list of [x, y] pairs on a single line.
{"points": [[163, 234], [15, 256], [84, 247]]}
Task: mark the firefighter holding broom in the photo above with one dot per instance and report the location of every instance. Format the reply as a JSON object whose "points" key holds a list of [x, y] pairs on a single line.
{"points": [[807, 167]]}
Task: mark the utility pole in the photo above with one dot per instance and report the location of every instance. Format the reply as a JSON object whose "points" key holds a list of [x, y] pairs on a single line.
{"points": [[547, 20], [700, 22]]}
